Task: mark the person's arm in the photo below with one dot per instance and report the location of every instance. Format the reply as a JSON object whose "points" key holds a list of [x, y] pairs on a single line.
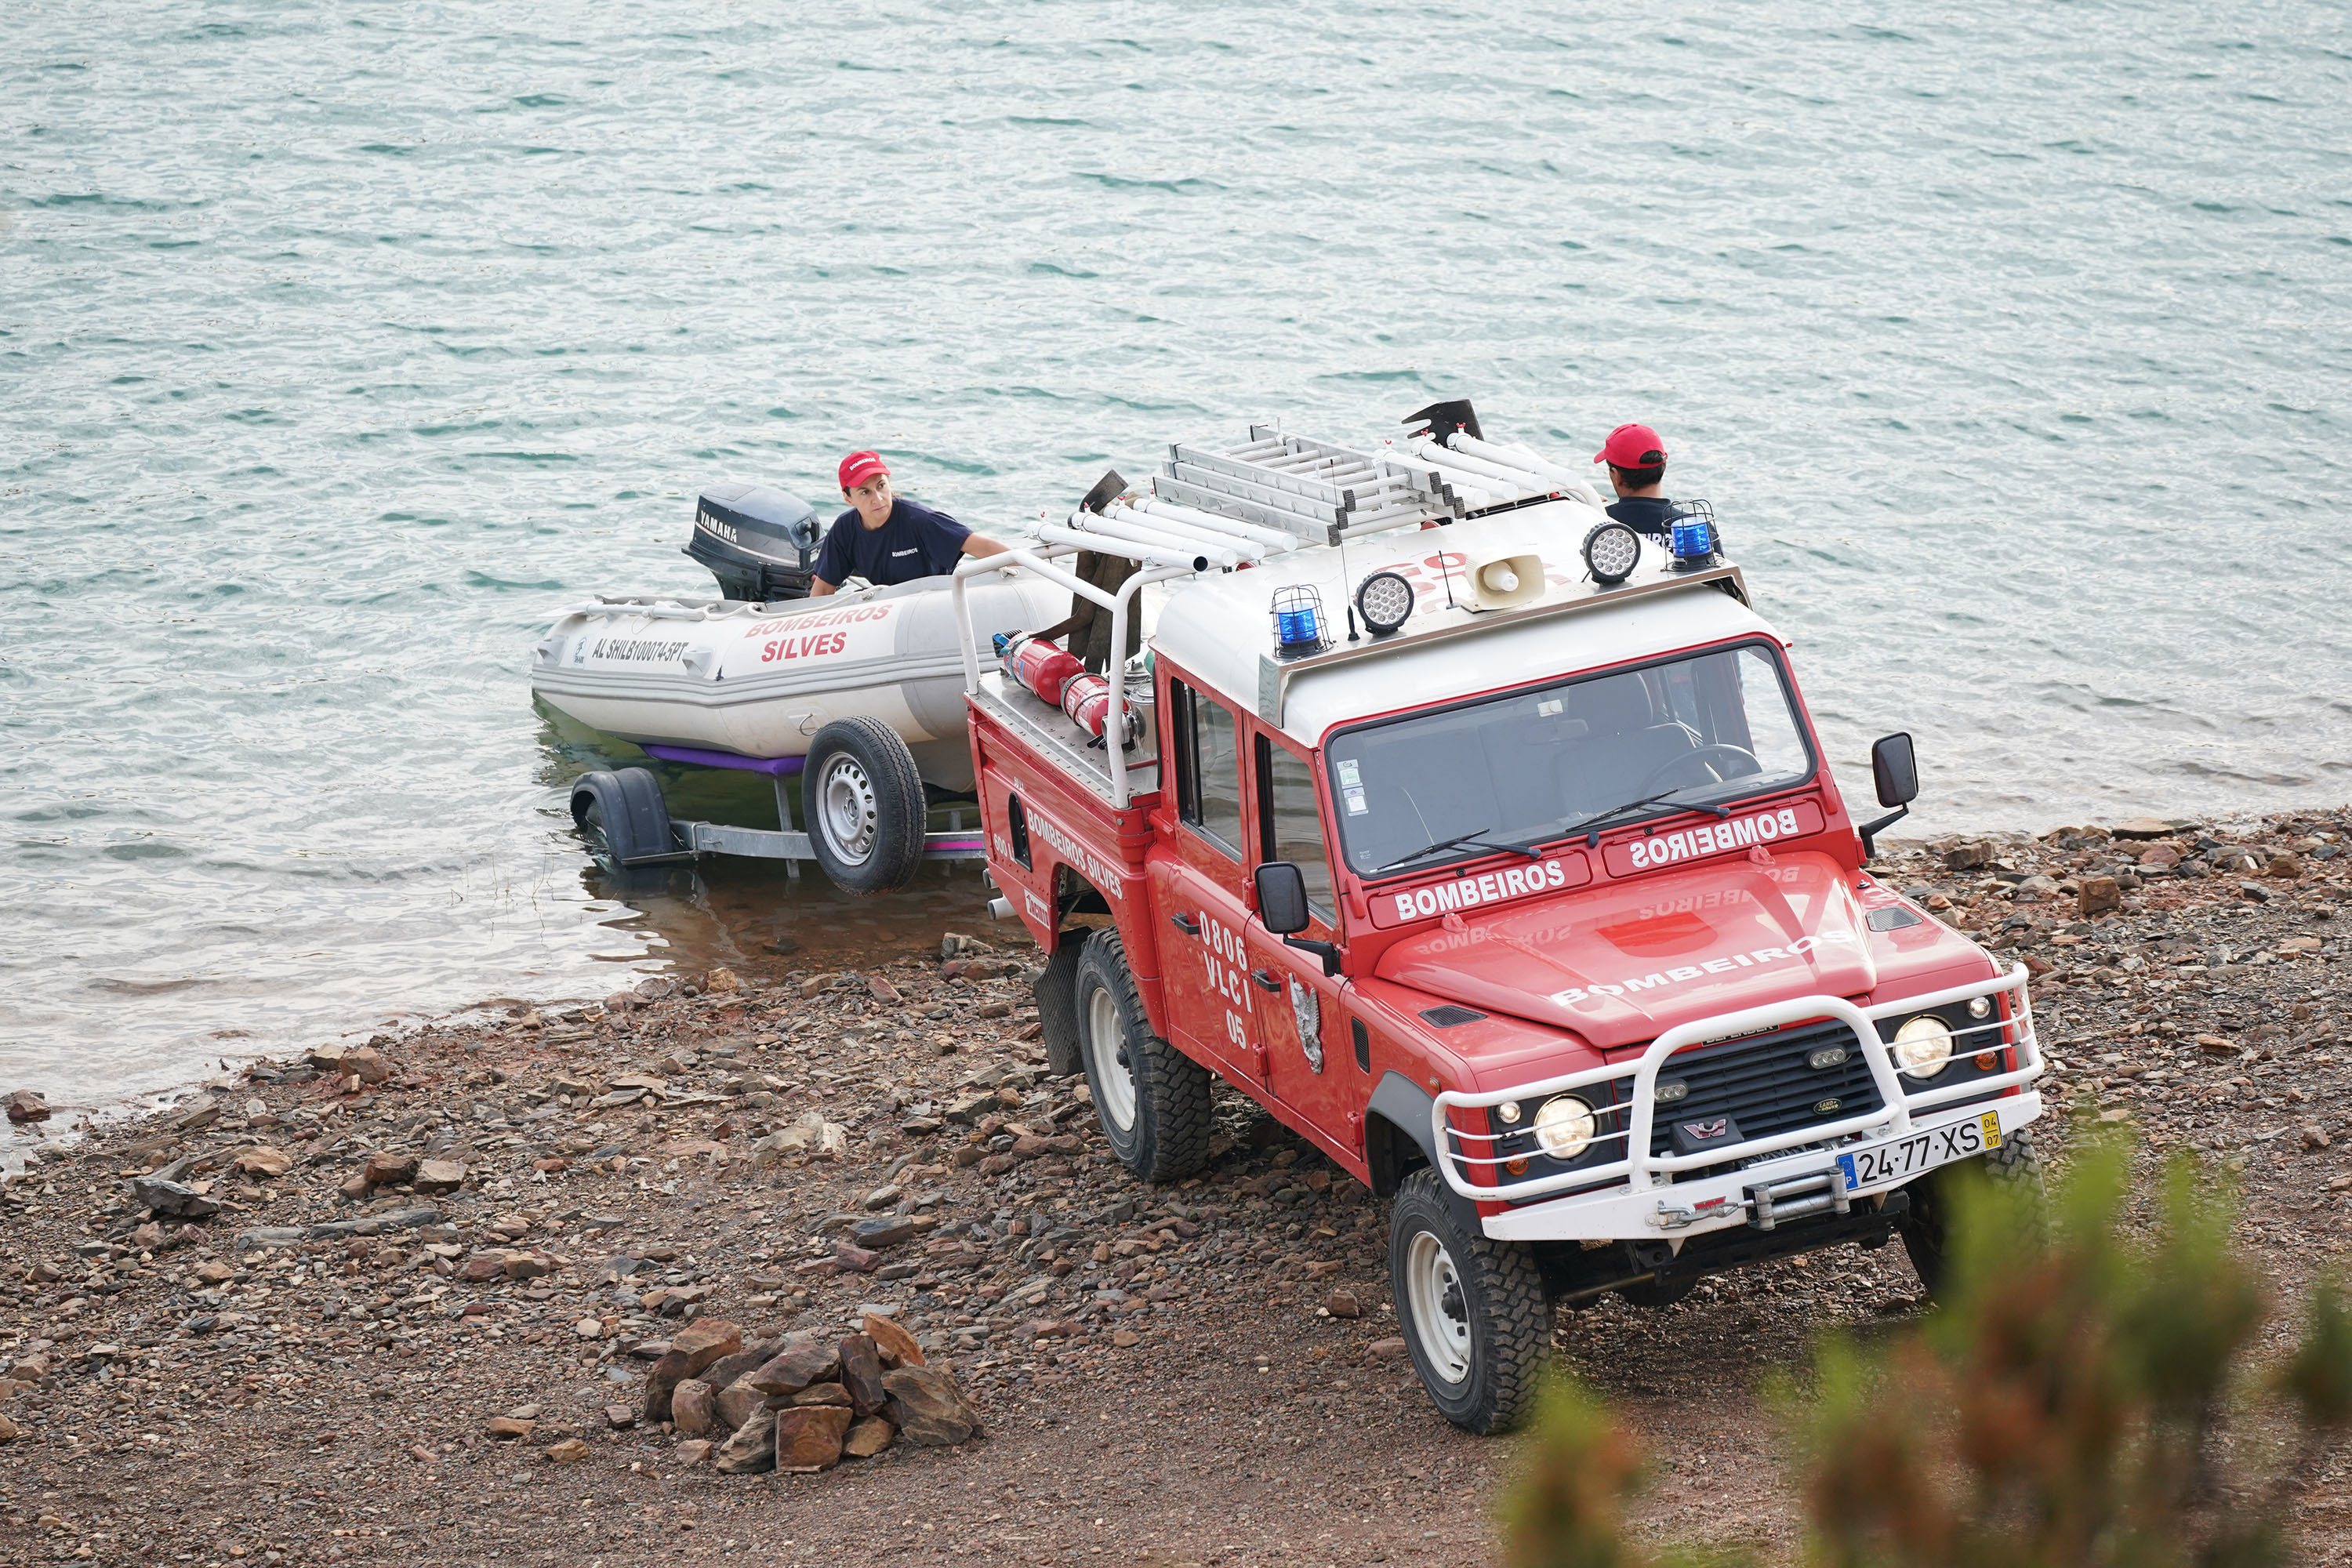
{"points": [[979, 544], [833, 560]]}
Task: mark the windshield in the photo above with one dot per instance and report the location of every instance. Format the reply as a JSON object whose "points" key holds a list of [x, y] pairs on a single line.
{"points": [[1537, 763]]}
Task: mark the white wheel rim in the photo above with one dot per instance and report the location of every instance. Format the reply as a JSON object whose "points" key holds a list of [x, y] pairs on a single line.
{"points": [[845, 812], [1440, 1309], [1114, 1068]]}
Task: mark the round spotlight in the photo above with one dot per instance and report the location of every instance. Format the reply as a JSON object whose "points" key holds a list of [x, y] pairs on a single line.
{"points": [[1507, 1112], [1923, 1046], [1611, 552], [1564, 1126], [1383, 599], [1980, 1006]]}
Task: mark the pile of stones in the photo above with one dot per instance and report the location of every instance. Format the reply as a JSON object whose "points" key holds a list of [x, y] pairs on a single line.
{"points": [[801, 1404]]}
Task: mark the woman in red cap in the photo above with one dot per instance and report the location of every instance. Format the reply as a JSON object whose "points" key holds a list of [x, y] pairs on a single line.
{"points": [[885, 538], [1637, 470]]}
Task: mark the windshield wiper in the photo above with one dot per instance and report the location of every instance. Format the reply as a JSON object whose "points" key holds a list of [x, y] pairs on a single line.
{"points": [[1593, 819], [1473, 836]]}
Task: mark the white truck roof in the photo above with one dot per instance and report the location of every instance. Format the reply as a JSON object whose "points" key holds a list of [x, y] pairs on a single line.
{"points": [[1220, 629]]}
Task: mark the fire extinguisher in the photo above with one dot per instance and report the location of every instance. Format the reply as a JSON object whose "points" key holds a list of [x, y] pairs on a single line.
{"points": [[1038, 665]]}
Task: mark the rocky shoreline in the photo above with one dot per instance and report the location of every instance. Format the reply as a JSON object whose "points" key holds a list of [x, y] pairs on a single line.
{"points": [[495, 1290]]}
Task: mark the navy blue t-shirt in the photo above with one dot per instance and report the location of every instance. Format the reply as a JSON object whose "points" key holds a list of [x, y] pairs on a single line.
{"points": [[1652, 515], [918, 541]]}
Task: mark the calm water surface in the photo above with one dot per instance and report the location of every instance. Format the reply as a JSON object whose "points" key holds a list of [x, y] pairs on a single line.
{"points": [[341, 344]]}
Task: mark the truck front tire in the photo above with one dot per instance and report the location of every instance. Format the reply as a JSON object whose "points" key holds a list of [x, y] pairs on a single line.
{"points": [[1477, 1320], [863, 801], [2015, 1168], [1151, 1098]]}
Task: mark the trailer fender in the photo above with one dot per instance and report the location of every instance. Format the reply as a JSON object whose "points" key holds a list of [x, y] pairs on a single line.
{"points": [[623, 808]]}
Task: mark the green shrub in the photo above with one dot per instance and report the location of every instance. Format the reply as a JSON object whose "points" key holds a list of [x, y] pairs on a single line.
{"points": [[2084, 1399]]}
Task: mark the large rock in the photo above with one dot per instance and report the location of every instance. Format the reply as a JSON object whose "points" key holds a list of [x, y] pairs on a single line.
{"points": [[25, 1105], [263, 1161], [2100, 895], [693, 1407], [795, 1367], [927, 1407], [861, 1373], [751, 1450], [439, 1176], [695, 1346], [723, 1371], [169, 1197], [808, 1438], [867, 1439], [388, 1170], [735, 1403], [820, 1394], [896, 1346]]}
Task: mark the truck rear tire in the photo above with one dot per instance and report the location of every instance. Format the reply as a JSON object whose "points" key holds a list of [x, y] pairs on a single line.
{"points": [[2015, 1168], [1477, 1320], [1056, 991], [863, 802], [1151, 1098]]}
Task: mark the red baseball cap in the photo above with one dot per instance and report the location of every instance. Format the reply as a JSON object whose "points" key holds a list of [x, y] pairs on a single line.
{"points": [[1632, 447], [859, 466]]}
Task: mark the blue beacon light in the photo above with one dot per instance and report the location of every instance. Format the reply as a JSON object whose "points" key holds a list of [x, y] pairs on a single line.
{"points": [[1693, 539], [1297, 620]]}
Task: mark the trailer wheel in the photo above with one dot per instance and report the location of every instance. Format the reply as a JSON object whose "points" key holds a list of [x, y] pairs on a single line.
{"points": [[2015, 1171], [1056, 991], [1151, 1098], [622, 815], [863, 802], [1476, 1317]]}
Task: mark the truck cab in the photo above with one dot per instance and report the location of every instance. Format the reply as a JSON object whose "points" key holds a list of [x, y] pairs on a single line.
{"points": [[1535, 910]]}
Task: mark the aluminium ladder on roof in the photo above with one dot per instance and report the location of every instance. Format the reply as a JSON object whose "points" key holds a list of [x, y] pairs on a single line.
{"points": [[1321, 491]]}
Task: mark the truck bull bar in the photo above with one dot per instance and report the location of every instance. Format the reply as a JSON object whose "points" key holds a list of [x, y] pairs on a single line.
{"points": [[1643, 1171]]}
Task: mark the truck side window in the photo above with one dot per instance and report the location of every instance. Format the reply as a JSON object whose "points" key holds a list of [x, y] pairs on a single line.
{"points": [[1209, 768], [1289, 826]]}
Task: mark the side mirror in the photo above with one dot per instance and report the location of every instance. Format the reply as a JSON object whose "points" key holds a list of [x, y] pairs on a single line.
{"points": [[1894, 770], [1281, 898]]}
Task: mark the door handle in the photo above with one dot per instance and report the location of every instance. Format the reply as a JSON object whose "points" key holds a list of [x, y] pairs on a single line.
{"points": [[1266, 979], [1185, 924]]}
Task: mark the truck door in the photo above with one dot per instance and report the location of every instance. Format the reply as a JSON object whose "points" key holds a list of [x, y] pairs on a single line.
{"points": [[1310, 1060], [1197, 888]]}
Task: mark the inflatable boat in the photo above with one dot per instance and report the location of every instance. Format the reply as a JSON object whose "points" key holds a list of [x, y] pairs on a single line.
{"points": [[866, 687], [761, 677]]}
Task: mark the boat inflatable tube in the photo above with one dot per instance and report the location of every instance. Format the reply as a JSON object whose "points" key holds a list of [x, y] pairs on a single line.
{"points": [[761, 680]]}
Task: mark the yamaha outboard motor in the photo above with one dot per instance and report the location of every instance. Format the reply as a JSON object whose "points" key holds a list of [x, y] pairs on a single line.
{"points": [[759, 542]]}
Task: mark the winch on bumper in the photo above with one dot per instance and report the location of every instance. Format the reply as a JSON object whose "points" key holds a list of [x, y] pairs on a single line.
{"points": [[1650, 1191]]}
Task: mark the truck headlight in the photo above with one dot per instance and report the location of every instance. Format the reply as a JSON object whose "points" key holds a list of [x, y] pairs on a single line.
{"points": [[1564, 1126], [1923, 1046]]}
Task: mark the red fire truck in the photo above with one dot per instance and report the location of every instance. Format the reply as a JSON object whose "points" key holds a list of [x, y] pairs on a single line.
{"points": [[1489, 845]]}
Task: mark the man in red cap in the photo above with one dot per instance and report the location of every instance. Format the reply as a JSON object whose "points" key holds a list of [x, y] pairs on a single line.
{"points": [[1637, 469], [885, 538]]}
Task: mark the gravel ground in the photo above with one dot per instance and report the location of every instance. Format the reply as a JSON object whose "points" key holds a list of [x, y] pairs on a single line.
{"points": [[1196, 1374]]}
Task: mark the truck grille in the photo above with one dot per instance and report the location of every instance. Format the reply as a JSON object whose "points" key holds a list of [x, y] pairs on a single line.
{"points": [[1766, 1085]]}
